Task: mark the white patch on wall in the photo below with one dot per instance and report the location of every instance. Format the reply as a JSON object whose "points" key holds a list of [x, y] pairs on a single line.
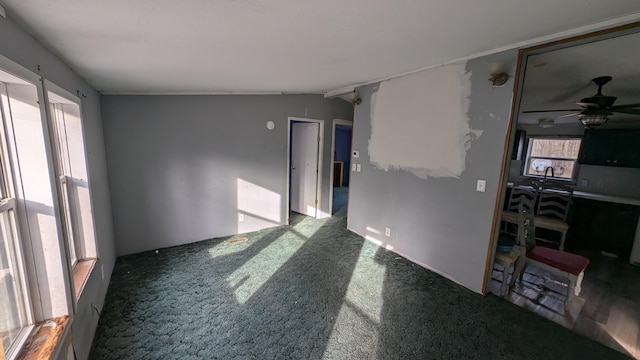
{"points": [[419, 123]]}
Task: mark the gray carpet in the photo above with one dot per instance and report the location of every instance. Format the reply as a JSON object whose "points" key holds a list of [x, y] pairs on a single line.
{"points": [[311, 290], [340, 197]]}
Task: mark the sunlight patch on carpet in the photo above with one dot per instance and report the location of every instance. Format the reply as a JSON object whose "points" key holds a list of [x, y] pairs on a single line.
{"points": [[308, 227], [234, 245], [255, 272]]}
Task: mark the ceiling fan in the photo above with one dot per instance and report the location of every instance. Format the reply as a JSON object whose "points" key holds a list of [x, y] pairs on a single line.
{"points": [[595, 110]]}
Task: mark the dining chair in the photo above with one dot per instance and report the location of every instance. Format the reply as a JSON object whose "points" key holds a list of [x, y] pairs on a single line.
{"points": [[528, 193], [565, 265], [554, 200], [525, 188]]}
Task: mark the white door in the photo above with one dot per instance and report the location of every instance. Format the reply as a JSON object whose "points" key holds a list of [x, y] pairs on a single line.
{"points": [[304, 167]]}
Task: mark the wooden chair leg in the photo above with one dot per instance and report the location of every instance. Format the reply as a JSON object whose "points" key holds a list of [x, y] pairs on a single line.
{"points": [[505, 276], [517, 271], [575, 287], [578, 286], [563, 237], [521, 274]]}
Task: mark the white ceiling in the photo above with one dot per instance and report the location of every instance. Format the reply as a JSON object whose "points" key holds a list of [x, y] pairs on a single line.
{"points": [[168, 46], [558, 79]]}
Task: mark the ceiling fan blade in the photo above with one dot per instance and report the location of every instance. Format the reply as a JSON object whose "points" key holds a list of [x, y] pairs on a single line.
{"points": [[624, 106], [588, 105], [543, 111], [569, 115], [626, 119], [626, 111]]}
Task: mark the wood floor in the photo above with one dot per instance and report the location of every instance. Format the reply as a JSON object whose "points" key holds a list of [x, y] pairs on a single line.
{"points": [[608, 310]]}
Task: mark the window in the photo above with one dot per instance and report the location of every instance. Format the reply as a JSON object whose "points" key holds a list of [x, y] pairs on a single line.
{"points": [[15, 309], [67, 141], [558, 155], [46, 220]]}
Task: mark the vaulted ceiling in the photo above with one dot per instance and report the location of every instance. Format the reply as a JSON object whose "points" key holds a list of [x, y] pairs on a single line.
{"points": [[168, 46]]}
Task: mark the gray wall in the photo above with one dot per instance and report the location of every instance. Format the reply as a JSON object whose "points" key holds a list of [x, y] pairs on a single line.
{"points": [[23, 49], [174, 163], [440, 223]]}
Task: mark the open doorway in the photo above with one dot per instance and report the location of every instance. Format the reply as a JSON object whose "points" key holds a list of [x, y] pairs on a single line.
{"points": [[341, 149], [559, 124], [305, 146]]}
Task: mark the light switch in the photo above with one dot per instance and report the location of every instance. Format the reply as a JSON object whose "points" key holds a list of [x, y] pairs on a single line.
{"points": [[358, 166], [353, 167], [481, 185], [356, 154]]}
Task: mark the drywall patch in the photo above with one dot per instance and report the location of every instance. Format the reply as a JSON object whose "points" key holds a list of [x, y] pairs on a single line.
{"points": [[419, 123]]}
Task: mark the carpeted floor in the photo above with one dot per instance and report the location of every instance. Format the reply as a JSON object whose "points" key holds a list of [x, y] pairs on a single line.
{"points": [[311, 290], [340, 197]]}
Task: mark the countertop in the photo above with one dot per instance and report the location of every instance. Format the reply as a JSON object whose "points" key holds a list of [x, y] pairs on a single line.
{"points": [[602, 197], [607, 198]]}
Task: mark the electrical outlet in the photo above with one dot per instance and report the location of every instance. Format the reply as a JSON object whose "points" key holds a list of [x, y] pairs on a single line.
{"points": [[240, 217], [584, 182], [387, 232], [358, 167], [481, 185]]}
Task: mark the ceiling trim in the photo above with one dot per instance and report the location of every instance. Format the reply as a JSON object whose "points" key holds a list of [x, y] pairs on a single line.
{"points": [[208, 93], [603, 25]]}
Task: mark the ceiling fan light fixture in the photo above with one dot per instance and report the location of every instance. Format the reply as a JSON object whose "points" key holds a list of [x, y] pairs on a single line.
{"points": [[594, 119], [499, 79], [546, 123]]}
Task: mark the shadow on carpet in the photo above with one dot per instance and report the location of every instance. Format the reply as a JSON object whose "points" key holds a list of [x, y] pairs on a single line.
{"points": [[311, 290]]}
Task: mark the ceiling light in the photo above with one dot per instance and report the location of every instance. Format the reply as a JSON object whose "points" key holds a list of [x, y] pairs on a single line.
{"points": [[546, 123], [594, 119], [499, 79]]}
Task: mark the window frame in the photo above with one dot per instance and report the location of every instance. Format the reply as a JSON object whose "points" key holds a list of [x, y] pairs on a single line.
{"points": [[8, 205], [49, 283], [78, 248], [528, 157]]}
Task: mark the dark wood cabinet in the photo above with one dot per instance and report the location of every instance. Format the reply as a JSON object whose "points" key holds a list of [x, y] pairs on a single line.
{"points": [[619, 147], [628, 148], [602, 226]]}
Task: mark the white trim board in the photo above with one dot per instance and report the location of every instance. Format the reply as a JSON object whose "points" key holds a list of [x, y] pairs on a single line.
{"points": [[320, 163], [333, 149]]}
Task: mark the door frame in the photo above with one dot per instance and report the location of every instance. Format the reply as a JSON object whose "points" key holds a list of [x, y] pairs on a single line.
{"points": [[333, 149], [523, 54], [290, 120]]}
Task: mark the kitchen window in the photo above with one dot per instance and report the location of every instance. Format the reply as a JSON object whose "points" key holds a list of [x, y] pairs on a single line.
{"points": [[555, 156]]}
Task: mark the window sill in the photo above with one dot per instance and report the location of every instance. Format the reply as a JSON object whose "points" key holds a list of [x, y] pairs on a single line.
{"points": [[81, 272], [45, 340]]}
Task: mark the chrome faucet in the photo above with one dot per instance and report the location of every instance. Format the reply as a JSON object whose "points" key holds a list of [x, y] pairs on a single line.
{"points": [[545, 172]]}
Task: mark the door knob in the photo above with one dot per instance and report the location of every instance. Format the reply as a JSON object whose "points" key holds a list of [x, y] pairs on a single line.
{"points": [[293, 168]]}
